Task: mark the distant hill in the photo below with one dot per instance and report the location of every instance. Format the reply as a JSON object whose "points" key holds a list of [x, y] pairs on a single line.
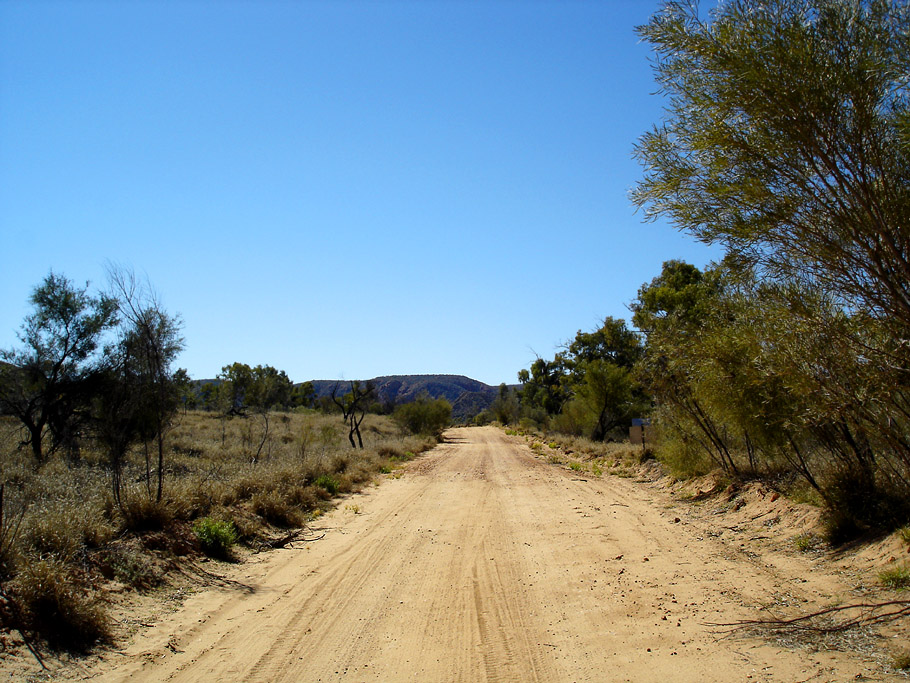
{"points": [[467, 396]]}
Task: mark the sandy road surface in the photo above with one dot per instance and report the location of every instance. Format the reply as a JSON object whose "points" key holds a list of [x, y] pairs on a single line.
{"points": [[485, 564]]}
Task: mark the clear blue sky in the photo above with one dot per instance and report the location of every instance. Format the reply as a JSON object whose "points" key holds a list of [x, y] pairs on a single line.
{"points": [[338, 189]]}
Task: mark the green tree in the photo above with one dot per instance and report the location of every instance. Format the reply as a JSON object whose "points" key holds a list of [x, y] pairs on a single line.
{"points": [[788, 140], [151, 341], [424, 415], [44, 383]]}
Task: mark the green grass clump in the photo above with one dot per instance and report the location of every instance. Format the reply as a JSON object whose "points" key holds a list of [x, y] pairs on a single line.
{"points": [[216, 537], [327, 482], [904, 534], [896, 578], [576, 466], [804, 542]]}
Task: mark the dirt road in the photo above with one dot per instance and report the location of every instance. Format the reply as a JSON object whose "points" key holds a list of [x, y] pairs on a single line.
{"points": [[483, 563]]}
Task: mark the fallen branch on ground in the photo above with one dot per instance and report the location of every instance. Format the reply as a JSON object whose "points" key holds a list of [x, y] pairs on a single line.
{"points": [[871, 613], [287, 539]]}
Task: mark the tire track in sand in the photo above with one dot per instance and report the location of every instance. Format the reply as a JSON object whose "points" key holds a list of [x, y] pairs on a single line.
{"points": [[483, 564]]}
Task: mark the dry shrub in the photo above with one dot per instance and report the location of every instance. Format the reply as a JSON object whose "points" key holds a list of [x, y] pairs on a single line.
{"points": [[130, 567], [56, 608], [141, 513], [302, 497], [389, 452], [52, 532], [274, 509]]}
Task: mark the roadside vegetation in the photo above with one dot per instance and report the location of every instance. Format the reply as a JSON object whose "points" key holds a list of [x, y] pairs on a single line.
{"points": [[786, 140], [108, 478]]}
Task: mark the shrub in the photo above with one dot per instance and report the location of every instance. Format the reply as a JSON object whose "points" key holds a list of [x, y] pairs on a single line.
{"points": [[857, 504], [683, 459], [129, 567], [141, 513], [216, 537], [390, 452], [52, 532], [275, 509], [424, 416], [328, 483], [57, 609]]}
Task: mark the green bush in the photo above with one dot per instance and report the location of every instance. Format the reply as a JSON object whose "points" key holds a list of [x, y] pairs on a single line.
{"points": [[216, 537], [424, 416], [327, 482]]}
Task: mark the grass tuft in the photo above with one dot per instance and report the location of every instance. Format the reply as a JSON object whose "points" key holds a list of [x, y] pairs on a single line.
{"points": [[896, 578]]}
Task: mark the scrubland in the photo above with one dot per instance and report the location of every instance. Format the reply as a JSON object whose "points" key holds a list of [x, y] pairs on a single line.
{"points": [[65, 538]]}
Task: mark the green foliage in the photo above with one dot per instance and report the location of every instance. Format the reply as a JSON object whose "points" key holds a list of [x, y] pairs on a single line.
{"points": [[424, 416], [787, 137], [216, 537], [327, 482], [588, 388], [896, 578], [259, 388], [786, 141], [46, 383]]}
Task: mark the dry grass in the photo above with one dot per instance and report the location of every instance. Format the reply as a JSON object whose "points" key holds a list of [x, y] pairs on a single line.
{"points": [[62, 532]]}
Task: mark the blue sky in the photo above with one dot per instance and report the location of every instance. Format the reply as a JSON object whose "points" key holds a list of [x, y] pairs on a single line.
{"points": [[337, 189]]}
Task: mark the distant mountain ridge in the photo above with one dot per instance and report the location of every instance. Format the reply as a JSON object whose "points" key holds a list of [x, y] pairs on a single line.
{"points": [[467, 396]]}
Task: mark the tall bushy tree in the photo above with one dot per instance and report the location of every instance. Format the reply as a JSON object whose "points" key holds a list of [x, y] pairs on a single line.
{"points": [[424, 416], [587, 388], [788, 141], [44, 382], [150, 343]]}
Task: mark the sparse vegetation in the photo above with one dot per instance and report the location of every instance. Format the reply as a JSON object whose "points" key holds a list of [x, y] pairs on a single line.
{"points": [[62, 535], [896, 578], [216, 537]]}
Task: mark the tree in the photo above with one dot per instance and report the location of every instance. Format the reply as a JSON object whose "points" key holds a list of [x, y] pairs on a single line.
{"points": [[788, 141], [353, 406], [424, 415], [43, 384], [587, 388], [150, 344], [260, 389]]}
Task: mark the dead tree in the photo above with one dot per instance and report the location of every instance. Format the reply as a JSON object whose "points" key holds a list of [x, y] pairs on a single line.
{"points": [[353, 407]]}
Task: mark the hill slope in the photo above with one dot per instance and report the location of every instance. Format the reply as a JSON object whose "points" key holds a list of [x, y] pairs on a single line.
{"points": [[467, 396]]}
